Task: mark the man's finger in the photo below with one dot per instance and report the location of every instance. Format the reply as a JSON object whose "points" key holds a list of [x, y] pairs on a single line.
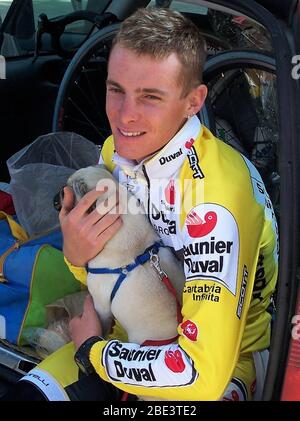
{"points": [[109, 231], [95, 216], [88, 305], [87, 201]]}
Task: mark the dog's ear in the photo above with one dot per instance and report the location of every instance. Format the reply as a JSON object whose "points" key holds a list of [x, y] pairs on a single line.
{"points": [[80, 188]]}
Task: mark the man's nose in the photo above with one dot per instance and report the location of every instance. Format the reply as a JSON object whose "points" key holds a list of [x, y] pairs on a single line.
{"points": [[128, 110]]}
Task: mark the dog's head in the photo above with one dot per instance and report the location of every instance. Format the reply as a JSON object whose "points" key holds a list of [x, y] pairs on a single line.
{"points": [[81, 182]]}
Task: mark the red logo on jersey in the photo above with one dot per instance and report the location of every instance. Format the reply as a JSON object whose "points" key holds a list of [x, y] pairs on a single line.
{"points": [[197, 227], [190, 330], [170, 193], [189, 143], [174, 361]]}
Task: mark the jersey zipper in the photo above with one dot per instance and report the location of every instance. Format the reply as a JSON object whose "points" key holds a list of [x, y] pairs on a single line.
{"points": [[148, 185]]}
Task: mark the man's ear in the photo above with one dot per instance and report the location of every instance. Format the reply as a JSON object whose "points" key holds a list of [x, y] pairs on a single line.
{"points": [[197, 98]]}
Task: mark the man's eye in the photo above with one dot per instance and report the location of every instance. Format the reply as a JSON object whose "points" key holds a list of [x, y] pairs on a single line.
{"points": [[152, 97], [114, 90]]}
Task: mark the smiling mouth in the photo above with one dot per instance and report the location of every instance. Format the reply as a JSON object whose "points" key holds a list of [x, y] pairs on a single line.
{"points": [[130, 134]]}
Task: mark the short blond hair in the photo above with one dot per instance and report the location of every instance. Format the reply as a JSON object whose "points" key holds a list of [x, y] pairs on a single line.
{"points": [[159, 32]]}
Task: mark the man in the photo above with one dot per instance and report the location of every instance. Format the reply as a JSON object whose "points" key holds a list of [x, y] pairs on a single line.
{"points": [[205, 200]]}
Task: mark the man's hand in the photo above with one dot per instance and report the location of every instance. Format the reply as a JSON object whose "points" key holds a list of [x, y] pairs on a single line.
{"points": [[85, 326], [85, 234]]}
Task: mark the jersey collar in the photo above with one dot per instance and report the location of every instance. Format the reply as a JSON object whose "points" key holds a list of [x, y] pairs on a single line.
{"points": [[170, 158]]}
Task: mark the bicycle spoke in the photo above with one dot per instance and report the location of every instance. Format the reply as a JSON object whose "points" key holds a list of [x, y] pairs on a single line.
{"points": [[84, 115], [87, 99], [77, 120], [85, 73], [103, 132]]}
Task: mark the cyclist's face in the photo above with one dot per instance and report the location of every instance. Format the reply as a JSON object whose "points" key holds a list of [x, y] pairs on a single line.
{"points": [[143, 102]]}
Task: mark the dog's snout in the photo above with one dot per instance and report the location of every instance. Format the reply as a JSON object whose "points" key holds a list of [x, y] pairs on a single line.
{"points": [[58, 199]]}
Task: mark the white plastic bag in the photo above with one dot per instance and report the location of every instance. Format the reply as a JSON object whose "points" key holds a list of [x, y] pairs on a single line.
{"points": [[40, 170]]}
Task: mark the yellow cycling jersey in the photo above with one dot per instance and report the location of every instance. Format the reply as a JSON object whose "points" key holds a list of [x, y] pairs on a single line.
{"points": [[207, 202]]}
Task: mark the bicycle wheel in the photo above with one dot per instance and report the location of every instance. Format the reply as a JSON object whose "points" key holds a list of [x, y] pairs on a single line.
{"points": [[218, 64], [243, 109], [80, 103], [238, 58]]}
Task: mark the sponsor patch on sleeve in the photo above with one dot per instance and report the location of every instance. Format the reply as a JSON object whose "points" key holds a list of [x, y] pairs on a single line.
{"points": [[211, 249], [166, 366], [190, 330]]}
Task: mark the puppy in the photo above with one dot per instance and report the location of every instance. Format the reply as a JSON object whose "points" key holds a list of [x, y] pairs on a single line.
{"points": [[143, 304]]}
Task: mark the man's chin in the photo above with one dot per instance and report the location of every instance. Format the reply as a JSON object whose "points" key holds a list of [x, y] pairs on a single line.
{"points": [[127, 154]]}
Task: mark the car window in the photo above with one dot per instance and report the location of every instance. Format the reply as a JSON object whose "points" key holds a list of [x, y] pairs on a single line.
{"points": [[4, 6], [55, 8], [180, 6], [52, 8], [18, 36]]}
